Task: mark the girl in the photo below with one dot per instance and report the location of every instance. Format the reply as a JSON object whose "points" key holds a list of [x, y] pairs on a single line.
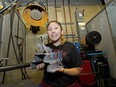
{"points": [[66, 76]]}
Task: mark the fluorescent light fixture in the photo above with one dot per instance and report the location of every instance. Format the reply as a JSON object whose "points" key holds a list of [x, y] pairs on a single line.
{"points": [[1, 5], [81, 23]]}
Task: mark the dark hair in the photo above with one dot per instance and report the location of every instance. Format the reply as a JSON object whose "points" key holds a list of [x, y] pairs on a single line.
{"points": [[54, 22], [62, 38]]}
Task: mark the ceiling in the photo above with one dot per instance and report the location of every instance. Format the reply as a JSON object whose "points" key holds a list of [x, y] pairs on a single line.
{"points": [[74, 1], [25, 2]]}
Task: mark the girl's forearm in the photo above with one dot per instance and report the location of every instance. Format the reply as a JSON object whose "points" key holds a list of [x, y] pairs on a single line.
{"points": [[72, 71]]}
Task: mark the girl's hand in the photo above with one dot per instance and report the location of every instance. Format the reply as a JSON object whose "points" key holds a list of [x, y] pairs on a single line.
{"points": [[60, 69], [40, 66]]}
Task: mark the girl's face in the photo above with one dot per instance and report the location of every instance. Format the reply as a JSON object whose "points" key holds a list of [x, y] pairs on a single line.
{"points": [[54, 31]]}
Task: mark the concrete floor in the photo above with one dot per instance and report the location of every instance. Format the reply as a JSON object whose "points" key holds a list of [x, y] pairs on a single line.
{"points": [[22, 83], [33, 82], [35, 78]]}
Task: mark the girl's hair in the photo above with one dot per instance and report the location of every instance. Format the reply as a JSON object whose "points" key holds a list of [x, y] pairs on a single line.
{"points": [[62, 37], [56, 23]]}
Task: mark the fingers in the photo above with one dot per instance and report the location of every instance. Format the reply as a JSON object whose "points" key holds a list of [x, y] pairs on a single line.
{"points": [[60, 69], [40, 66]]}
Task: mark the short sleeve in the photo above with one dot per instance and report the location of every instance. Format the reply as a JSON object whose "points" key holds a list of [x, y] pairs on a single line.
{"points": [[76, 58]]}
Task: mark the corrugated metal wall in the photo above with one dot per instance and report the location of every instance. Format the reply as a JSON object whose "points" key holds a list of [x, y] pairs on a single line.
{"points": [[105, 26]]}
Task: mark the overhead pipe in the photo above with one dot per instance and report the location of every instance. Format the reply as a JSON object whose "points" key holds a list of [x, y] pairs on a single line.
{"points": [[71, 20], [13, 3], [77, 26], [65, 20], [107, 4], [55, 9], [48, 15], [47, 9]]}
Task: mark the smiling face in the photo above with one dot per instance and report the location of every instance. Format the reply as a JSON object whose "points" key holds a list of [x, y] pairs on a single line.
{"points": [[55, 31]]}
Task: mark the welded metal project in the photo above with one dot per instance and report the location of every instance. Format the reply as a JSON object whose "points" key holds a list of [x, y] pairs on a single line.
{"points": [[47, 56]]}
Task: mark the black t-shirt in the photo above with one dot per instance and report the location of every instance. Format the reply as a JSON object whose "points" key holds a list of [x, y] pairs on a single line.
{"points": [[71, 58]]}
